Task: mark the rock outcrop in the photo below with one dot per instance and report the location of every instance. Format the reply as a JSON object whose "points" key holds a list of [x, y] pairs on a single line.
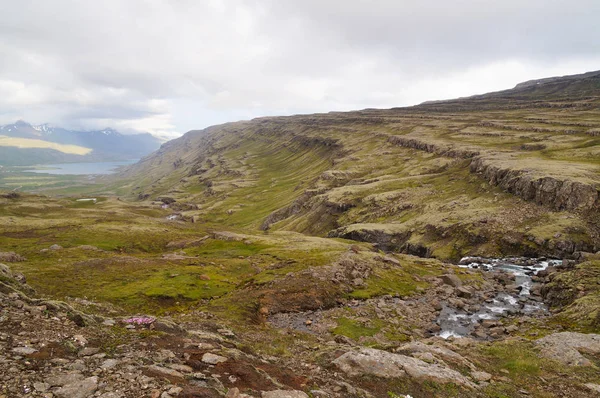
{"points": [[548, 191], [569, 347], [559, 194], [438, 149], [369, 361]]}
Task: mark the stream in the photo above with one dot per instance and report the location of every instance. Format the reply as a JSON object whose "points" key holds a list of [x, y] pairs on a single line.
{"points": [[459, 323]]}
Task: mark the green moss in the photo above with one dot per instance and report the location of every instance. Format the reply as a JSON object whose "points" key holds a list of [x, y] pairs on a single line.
{"points": [[517, 358], [398, 281], [354, 329]]}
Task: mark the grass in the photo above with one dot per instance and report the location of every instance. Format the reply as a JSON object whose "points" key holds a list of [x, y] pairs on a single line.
{"points": [[354, 329], [519, 360], [398, 282]]}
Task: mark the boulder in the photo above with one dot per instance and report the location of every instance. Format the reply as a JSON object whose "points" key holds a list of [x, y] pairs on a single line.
{"points": [[442, 354], [65, 378], [567, 347], [159, 371], [369, 361], [213, 359], [464, 291], [79, 389], [452, 280], [11, 257], [593, 387], [24, 350], [481, 376]]}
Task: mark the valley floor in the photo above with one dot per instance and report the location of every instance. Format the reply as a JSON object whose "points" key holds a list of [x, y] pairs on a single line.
{"points": [[158, 306]]}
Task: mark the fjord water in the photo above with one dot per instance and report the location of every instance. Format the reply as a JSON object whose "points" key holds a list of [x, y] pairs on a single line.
{"points": [[81, 168]]}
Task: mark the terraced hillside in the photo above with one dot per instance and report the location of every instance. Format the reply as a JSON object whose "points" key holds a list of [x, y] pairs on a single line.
{"points": [[513, 172], [320, 256]]}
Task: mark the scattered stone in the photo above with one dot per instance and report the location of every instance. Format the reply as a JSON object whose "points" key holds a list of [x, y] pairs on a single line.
{"points": [[24, 350], [164, 372], [481, 376], [66, 378], [226, 332], [213, 359], [109, 364], [181, 368], [80, 389], [11, 257], [166, 326], [80, 339], [233, 393], [41, 387], [593, 387], [452, 280], [284, 394], [88, 351], [464, 291], [512, 328], [175, 391]]}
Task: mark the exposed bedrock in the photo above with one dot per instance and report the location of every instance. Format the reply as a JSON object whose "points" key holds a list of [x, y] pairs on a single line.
{"points": [[433, 148], [548, 191], [507, 243]]}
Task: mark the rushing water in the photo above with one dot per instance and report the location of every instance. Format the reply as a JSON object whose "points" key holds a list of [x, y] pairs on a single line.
{"points": [[459, 323], [80, 168]]}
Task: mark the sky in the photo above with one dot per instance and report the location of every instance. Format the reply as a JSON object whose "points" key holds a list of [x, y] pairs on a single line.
{"points": [[170, 66]]}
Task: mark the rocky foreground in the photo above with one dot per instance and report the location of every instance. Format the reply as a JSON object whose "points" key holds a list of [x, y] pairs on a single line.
{"points": [[49, 349]]}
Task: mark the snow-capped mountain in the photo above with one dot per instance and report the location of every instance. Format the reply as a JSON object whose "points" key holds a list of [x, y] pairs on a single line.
{"points": [[106, 144]]}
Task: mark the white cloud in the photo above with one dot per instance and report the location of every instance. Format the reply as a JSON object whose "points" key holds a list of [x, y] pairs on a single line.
{"points": [[170, 66]]}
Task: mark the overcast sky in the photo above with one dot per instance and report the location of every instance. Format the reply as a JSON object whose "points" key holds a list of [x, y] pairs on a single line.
{"points": [[169, 66]]}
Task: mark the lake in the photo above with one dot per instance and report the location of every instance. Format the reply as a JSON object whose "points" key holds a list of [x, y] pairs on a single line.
{"points": [[80, 168]]}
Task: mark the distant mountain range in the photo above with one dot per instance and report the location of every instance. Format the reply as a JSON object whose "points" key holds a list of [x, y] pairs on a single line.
{"points": [[23, 144]]}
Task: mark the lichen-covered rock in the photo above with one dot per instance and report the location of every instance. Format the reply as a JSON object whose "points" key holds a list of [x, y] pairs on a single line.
{"points": [[567, 347], [11, 257], [384, 364], [79, 389]]}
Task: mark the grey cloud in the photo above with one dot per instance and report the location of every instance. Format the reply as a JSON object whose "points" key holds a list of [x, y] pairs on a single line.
{"points": [[169, 66]]}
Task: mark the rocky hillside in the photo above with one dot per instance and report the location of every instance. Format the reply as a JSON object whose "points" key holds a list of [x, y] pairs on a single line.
{"points": [[275, 316], [271, 320], [508, 173]]}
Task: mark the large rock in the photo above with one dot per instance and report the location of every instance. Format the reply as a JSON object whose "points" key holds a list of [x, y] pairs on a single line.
{"points": [[213, 359], [452, 280], [11, 257], [159, 371], [567, 347], [440, 353], [387, 365], [65, 378], [24, 350], [80, 389]]}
